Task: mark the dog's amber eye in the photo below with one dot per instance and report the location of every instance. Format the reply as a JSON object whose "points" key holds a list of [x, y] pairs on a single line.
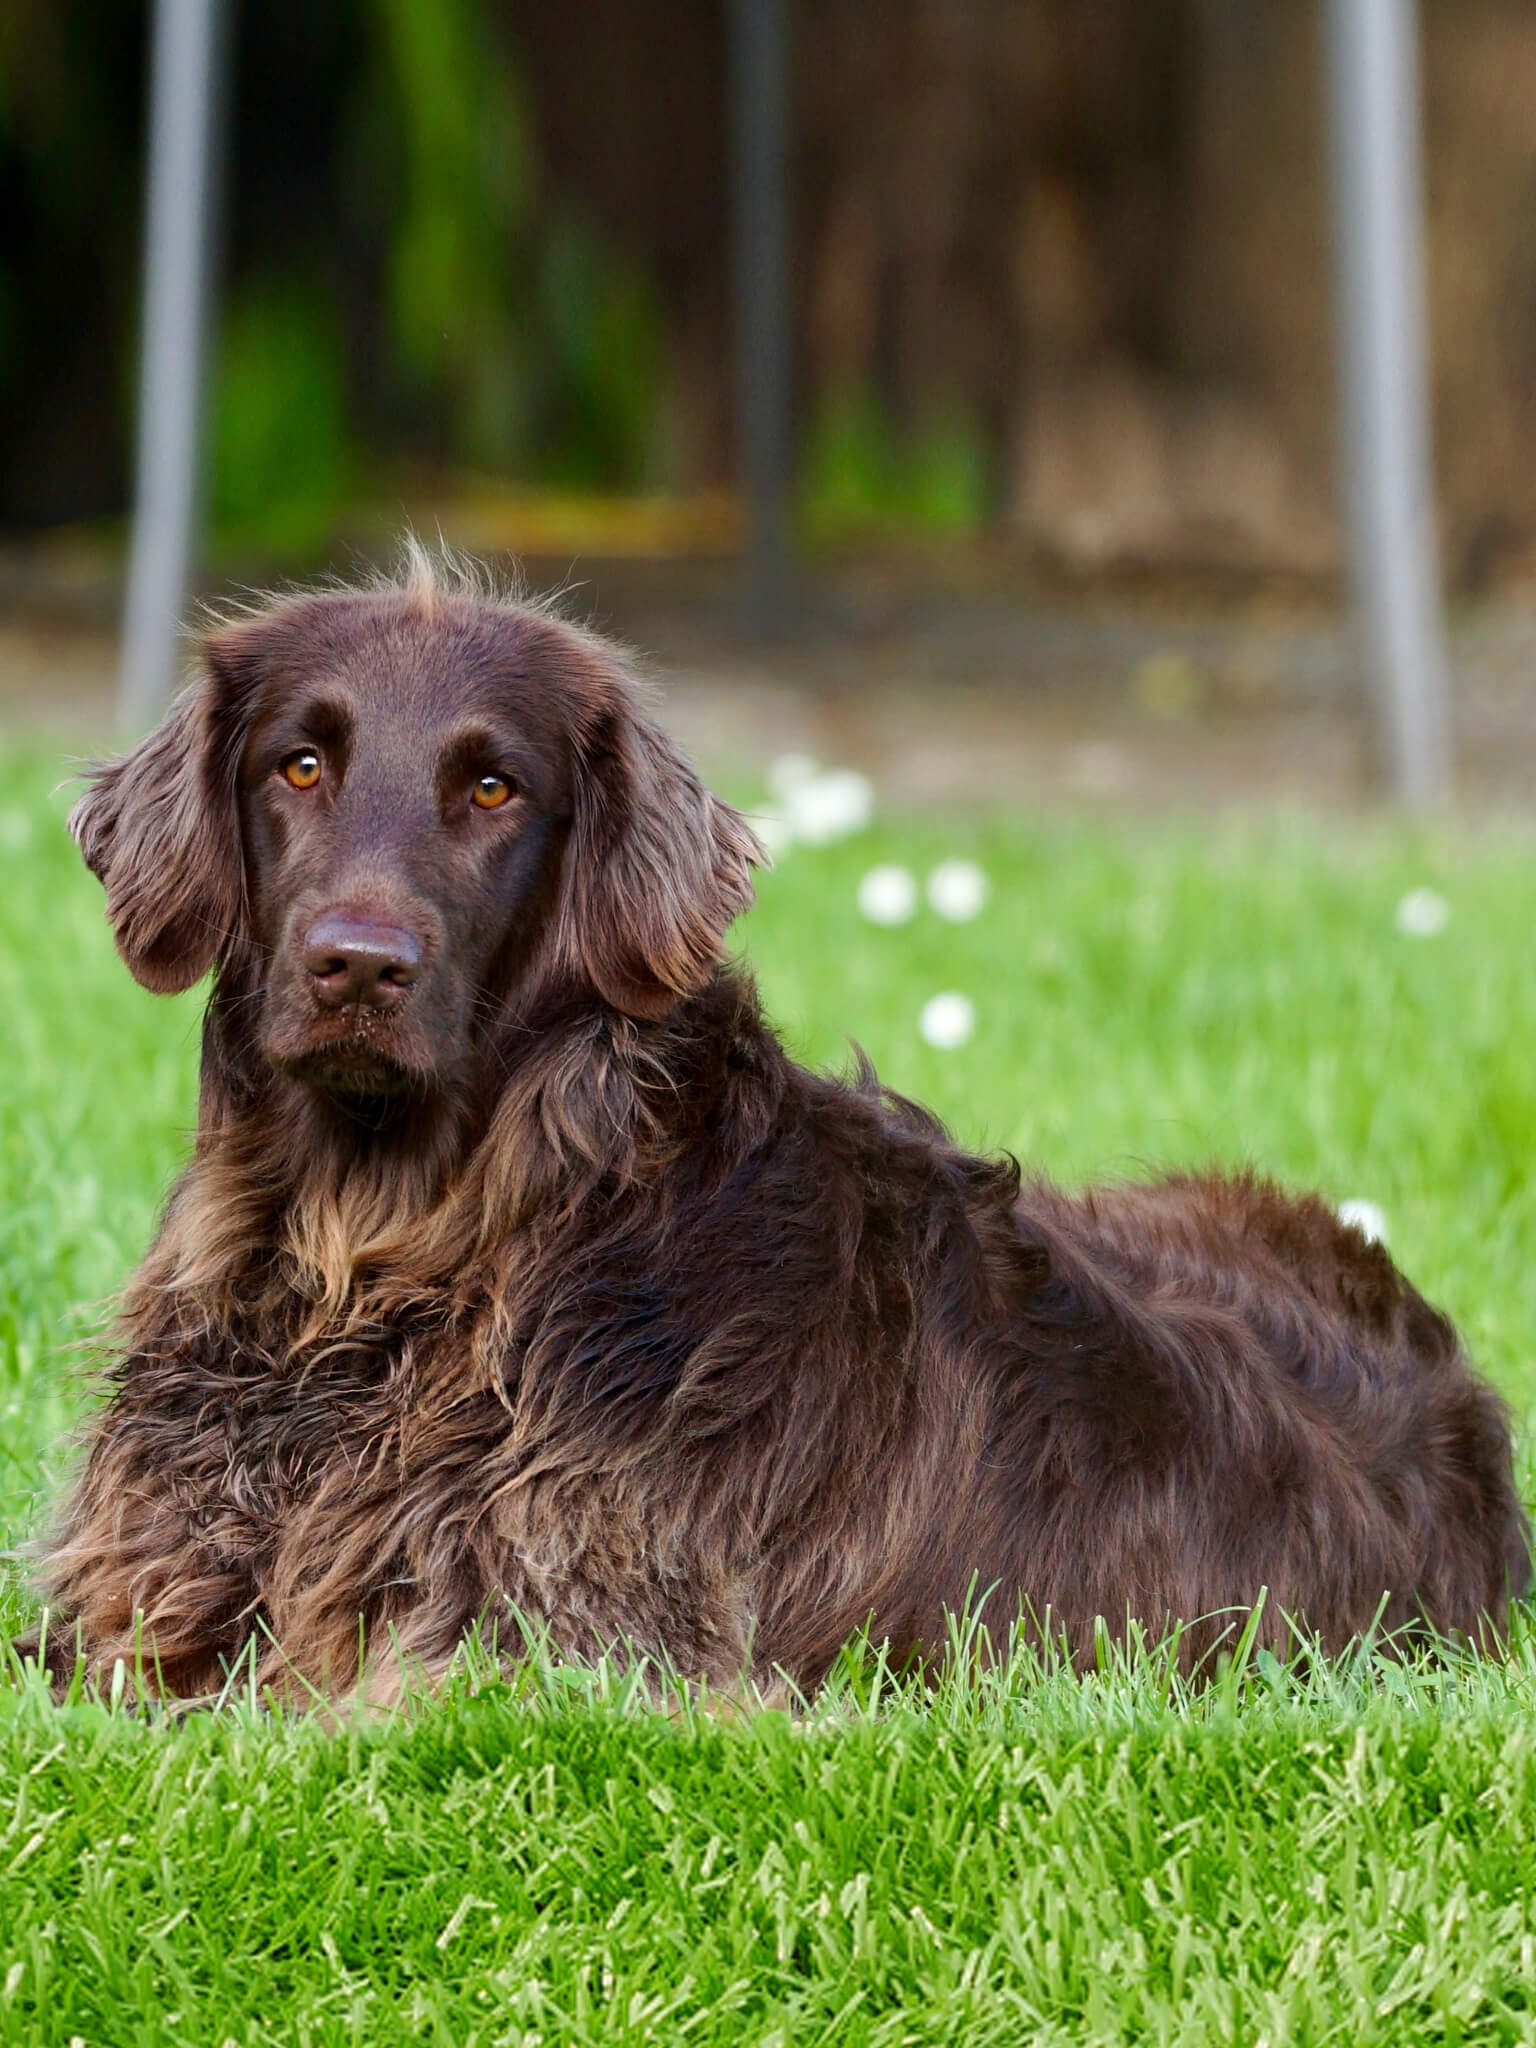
{"points": [[301, 770], [491, 792]]}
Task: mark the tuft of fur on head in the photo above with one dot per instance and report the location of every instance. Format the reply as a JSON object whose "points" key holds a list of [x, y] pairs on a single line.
{"points": [[426, 575], [430, 575]]}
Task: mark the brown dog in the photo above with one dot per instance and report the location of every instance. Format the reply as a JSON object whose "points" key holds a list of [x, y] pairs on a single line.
{"points": [[517, 1267]]}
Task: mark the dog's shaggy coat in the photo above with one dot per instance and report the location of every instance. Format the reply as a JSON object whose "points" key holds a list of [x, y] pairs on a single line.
{"points": [[541, 1279]]}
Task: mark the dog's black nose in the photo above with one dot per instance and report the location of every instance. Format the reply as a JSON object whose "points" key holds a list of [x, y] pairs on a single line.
{"points": [[349, 961]]}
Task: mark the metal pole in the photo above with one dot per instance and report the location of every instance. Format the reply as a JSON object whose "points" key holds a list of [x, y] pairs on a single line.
{"points": [[760, 236], [177, 231], [1387, 477]]}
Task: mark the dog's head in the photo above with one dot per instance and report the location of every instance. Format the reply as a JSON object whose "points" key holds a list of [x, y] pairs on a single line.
{"points": [[390, 817]]}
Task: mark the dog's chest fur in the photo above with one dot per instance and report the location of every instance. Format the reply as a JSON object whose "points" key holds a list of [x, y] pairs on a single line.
{"points": [[279, 1430], [252, 1441]]}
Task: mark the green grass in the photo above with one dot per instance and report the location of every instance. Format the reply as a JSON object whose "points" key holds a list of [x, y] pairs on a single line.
{"points": [[1342, 1857]]}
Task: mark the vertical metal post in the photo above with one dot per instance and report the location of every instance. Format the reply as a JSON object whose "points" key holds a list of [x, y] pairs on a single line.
{"points": [[1383, 395], [178, 216], [760, 238]]}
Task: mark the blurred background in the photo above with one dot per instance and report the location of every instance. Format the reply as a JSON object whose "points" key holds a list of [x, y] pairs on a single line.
{"points": [[1061, 450]]}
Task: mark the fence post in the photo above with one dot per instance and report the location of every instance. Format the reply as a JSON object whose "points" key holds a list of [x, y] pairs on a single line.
{"points": [[758, 119], [1383, 397], [178, 219]]}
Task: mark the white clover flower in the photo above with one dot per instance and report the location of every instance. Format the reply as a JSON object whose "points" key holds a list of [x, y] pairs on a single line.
{"points": [[888, 895], [788, 771], [947, 1020], [957, 889], [829, 806], [1365, 1217], [1422, 913]]}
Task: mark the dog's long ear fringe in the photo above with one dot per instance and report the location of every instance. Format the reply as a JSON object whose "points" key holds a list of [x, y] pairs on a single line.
{"points": [[656, 869], [157, 828]]}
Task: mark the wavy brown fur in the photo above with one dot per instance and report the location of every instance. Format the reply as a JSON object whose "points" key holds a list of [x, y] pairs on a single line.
{"points": [[612, 1314]]}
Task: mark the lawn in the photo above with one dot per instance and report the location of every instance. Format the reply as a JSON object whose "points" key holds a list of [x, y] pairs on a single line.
{"points": [[1348, 1856]]}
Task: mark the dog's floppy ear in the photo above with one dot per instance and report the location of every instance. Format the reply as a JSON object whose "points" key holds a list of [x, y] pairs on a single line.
{"points": [[158, 829], [656, 867]]}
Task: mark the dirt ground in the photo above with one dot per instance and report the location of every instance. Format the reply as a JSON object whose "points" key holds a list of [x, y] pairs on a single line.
{"points": [[954, 682]]}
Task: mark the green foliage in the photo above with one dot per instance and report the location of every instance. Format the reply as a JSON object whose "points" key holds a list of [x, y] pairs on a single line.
{"points": [[281, 453], [861, 476], [602, 328], [491, 326], [1345, 1853], [543, 337], [451, 108]]}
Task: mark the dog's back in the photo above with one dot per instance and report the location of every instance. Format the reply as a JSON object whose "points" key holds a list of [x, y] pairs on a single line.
{"points": [[1222, 1390]]}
